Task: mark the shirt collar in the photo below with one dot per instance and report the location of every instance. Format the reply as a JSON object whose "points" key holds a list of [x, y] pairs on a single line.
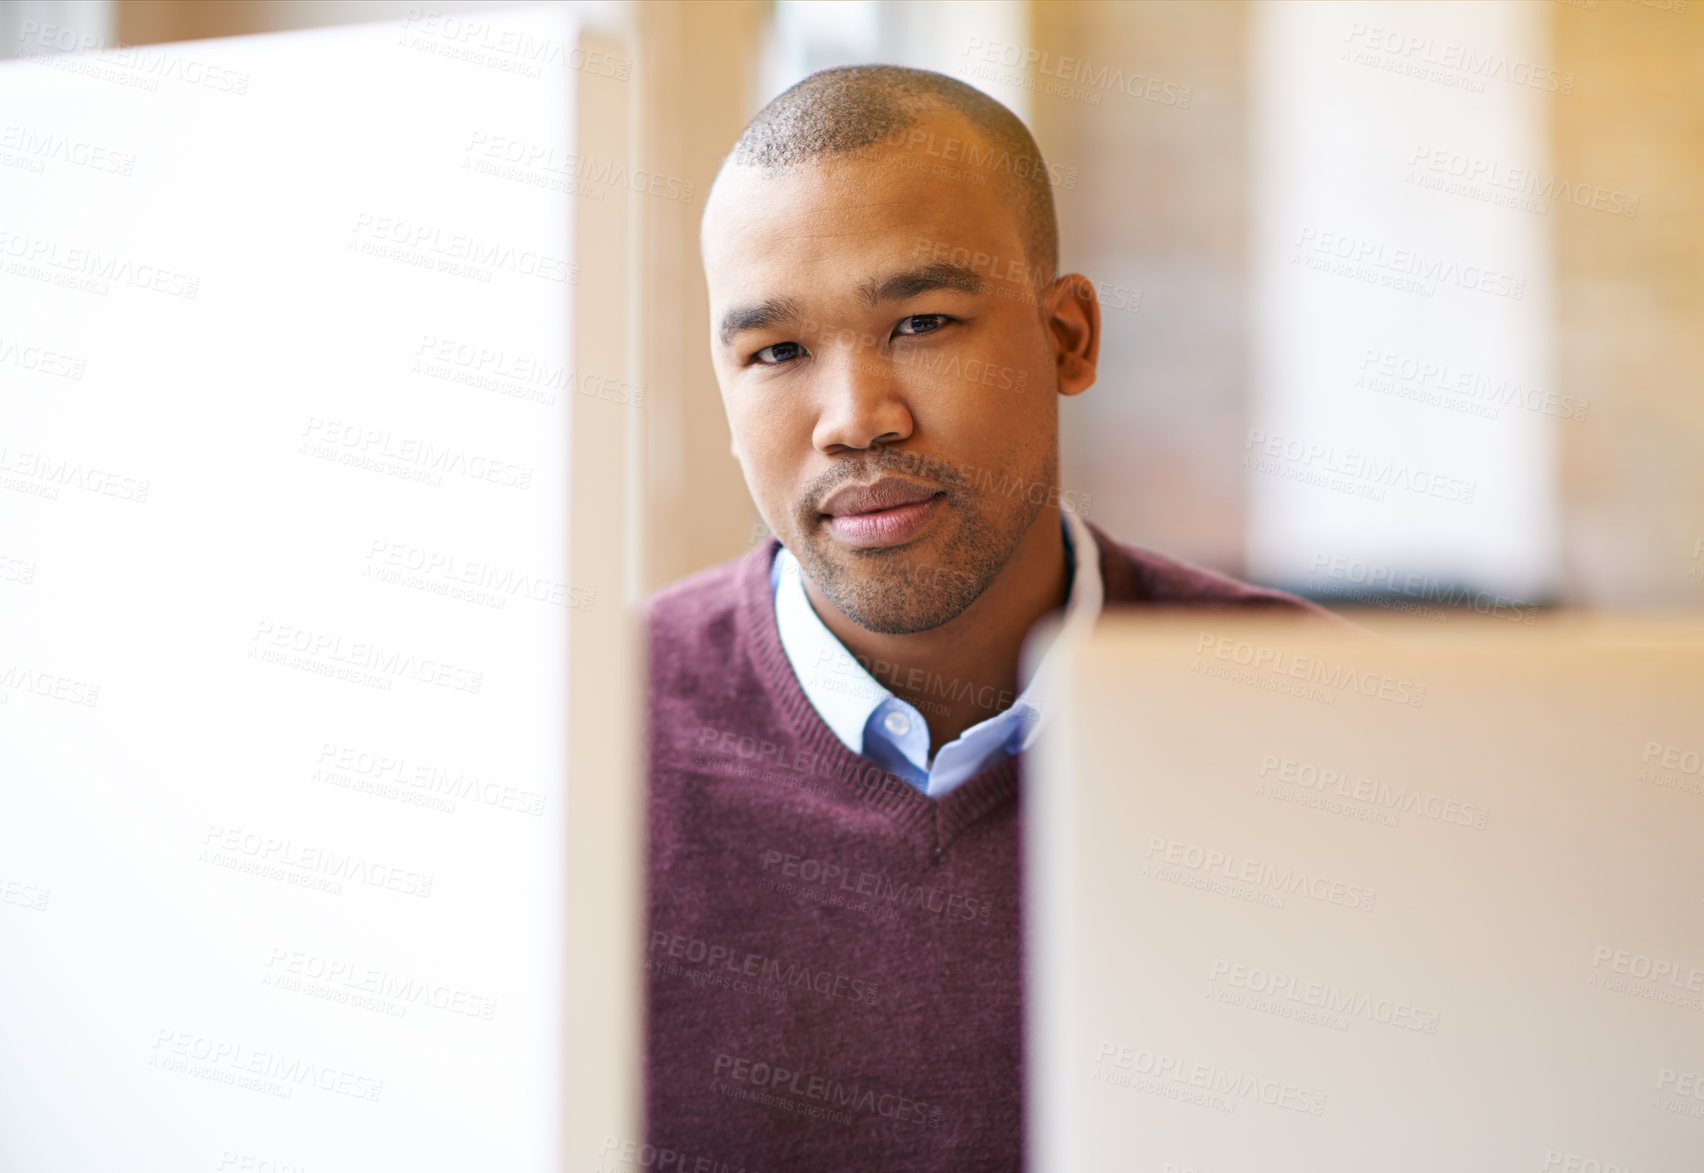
{"points": [[845, 695], [1082, 609], [842, 693]]}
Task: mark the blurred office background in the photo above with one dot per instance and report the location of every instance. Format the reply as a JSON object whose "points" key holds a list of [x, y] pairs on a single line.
{"points": [[1405, 301]]}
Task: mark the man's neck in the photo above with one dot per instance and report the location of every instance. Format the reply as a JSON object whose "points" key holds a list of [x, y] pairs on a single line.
{"points": [[965, 671]]}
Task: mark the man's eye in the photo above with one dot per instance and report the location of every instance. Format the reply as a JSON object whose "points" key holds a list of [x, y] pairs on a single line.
{"points": [[779, 353], [921, 323]]}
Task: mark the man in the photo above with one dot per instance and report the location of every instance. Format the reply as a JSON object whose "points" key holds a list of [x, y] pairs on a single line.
{"points": [[838, 719]]}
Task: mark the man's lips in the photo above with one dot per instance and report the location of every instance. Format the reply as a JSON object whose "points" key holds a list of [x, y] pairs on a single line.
{"points": [[887, 493], [886, 513]]}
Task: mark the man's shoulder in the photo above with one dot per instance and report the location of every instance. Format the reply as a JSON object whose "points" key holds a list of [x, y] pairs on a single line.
{"points": [[1136, 576], [705, 598]]}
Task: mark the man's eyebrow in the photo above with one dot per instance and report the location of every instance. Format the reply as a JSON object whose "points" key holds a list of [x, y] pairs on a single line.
{"points": [[899, 286], [774, 312]]}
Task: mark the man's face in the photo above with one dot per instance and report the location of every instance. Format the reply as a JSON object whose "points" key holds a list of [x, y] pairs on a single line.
{"points": [[887, 375]]}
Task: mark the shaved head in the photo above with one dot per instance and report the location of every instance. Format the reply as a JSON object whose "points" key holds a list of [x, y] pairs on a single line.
{"points": [[856, 110]]}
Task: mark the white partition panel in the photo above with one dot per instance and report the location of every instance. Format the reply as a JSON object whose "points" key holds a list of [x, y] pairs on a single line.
{"points": [[1405, 412], [1303, 899], [285, 349]]}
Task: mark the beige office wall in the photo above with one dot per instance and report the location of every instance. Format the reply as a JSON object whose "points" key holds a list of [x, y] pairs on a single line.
{"points": [[604, 905], [150, 22], [1158, 217], [699, 63], [1162, 207], [1631, 301]]}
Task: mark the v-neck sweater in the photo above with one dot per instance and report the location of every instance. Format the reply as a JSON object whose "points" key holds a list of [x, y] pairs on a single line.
{"points": [[833, 958]]}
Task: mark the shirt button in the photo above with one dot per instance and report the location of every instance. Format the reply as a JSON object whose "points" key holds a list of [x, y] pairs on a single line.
{"points": [[897, 724]]}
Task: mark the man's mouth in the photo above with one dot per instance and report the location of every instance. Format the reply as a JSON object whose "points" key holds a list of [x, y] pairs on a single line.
{"points": [[887, 513]]}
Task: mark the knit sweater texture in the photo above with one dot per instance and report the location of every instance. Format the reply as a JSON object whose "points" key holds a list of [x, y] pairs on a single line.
{"points": [[834, 973]]}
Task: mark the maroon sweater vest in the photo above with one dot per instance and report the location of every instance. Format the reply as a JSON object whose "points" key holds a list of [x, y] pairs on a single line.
{"points": [[833, 969]]}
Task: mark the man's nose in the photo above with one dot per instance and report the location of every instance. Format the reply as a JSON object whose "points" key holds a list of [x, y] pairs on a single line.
{"points": [[861, 400]]}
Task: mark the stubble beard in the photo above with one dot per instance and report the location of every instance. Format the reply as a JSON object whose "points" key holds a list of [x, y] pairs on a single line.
{"points": [[902, 590]]}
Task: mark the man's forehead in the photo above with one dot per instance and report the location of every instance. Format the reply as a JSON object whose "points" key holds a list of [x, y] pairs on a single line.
{"points": [[831, 200], [862, 217]]}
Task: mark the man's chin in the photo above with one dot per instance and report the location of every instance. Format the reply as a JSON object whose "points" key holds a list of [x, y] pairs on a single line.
{"points": [[886, 615], [895, 590]]}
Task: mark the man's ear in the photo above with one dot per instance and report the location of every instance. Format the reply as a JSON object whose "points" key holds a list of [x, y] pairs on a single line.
{"points": [[1072, 318]]}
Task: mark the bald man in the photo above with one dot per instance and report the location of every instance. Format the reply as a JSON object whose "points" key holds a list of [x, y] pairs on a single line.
{"points": [[837, 720]]}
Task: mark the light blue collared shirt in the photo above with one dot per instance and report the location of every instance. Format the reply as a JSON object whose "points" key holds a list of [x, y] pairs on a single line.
{"points": [[870, 720]]}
